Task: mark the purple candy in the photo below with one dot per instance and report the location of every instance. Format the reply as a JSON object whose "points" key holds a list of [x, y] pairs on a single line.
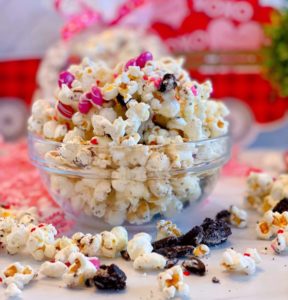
{"points": [[84, 104], [67, 78], [143, 58], [96, 96]]}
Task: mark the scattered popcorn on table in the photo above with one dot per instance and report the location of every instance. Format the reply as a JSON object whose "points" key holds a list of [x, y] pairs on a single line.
{"points": [[53, 269], [172, 283], [233, 261], [79, 271], [15, 277], [201, 250], [140, 244], [238, 217], [167, 228], [271, 223]]}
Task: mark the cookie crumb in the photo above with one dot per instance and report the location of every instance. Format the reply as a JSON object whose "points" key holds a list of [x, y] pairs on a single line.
{"points": [[215, 280]]}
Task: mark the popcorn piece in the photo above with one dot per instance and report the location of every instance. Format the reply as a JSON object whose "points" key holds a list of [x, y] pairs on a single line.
{"points": [[109, 244], [150, 261], [139, 245], [172, 283], [238, 217], [236, 262], [264, 230], [15, 277], [166, 229], [16, 240], [201, 250], [122, 237], [53, 269], [88, 244], [64, 254], [79, 271], [279, 244]]}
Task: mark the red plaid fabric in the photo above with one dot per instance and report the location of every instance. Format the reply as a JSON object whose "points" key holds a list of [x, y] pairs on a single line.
{"points": [[18, 79]]}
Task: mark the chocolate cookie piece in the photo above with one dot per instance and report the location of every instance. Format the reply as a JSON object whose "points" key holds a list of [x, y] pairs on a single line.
{"points": [[110, 278], [176, 251], [223, 215], [215, 232], [215, 280], [171, 263], [169, 241], [193, 237], [168, 83], [125, 255], [195, 266], [281, 206]]}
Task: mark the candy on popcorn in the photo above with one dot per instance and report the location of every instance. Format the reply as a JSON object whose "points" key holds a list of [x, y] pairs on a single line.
{"points": [[79, 271], [233, 261], [53, 269], [150, 261], [172, 283], [140, 244]]}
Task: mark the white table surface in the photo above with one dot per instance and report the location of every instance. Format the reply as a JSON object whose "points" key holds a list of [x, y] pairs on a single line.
{"points": [[269, 282]]}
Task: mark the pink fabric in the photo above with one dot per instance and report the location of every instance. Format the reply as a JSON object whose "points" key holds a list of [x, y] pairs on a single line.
{"points": [[21, 186]]}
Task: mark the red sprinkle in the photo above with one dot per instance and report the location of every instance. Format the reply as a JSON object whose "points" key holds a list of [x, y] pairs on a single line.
{"points": [[67, 263], [1, 280], [52, 260], [41, 225], [246, 254], [94, 141], [145, 77], [186, 273], [280, 231], [6, 206], [33, 229]]}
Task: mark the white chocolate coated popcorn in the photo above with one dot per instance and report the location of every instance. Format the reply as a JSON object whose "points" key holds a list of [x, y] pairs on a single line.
{"points": [[53, 269], [149, 261], [172, 283]]}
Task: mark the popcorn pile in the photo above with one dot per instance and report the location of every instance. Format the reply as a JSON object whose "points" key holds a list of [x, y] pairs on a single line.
{"points": [[233, 261], [264, 192], [128, 127]]}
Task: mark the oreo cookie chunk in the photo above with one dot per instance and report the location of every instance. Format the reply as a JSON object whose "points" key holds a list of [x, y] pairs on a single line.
{"points": [[193, 237], [110, 278], [223, 215], [169, 241], [168, 83], [215, 232], [281, 206], [171, 263], [195, 266], [176, 251]]}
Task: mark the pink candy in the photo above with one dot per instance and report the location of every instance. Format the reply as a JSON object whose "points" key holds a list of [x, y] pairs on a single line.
{"points": [[85, 104], [131, 62], [65, 110], [96, 96], [67, 78], [194, 90], [139, 61], [143, 58], [95, 261]]}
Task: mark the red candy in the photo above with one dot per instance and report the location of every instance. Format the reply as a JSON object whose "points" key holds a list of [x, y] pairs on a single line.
{"points": [[131, 62], [194, 91], [280, 231], [94, 141], [143, 58], [186, 273], [85, 104], [65, 110], [33, 229], [67, 78], [246, 254], [67, 263]]}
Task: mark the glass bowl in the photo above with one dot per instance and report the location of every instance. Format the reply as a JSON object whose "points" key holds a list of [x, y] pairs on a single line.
{"points": [[101, 187]]}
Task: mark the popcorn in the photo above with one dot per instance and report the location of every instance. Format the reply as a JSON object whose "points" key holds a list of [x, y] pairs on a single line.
{"points": [[166, 229], [237, 262], [16, 239], [109, 244], [149, 261], [172, 283], [79, 271], [122, 237], [271, 223], [279, 244], [238, 217], [53, 269], [88, 244], [139, 245], [111, 122], [15, 277], [201, 250]]}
